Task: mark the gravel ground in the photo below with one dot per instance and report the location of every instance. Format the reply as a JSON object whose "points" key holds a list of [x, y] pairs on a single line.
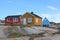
{"points": [[55, 37]]}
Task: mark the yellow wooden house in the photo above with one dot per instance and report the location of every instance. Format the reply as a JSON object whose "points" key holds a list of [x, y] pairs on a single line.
{"points": [[31, 19]]}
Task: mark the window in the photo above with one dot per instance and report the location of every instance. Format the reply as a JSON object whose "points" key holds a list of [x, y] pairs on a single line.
{"points": [[15, 19], [29, 20], [8, 19], [36, 20]]}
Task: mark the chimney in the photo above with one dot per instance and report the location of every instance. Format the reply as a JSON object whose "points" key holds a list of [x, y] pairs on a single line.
{"points": [[32, 12]]}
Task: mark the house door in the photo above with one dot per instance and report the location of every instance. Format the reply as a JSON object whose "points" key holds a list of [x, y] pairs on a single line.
{"points": [[24, 21]]}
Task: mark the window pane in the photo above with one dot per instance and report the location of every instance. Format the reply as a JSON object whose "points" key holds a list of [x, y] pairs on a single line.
{"points": [[15, 19], [29, 20], [8, 19]]}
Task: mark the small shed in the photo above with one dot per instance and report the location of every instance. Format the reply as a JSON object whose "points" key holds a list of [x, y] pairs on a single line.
{"points": [[46, 22]]}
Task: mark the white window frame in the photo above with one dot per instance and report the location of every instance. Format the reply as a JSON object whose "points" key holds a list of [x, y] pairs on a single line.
{"points": [[29, 20], [15, 19], [36, 20], [20, 19]]}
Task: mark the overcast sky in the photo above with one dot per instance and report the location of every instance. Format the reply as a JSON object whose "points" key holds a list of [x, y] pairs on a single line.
{"points": [[43, 8]]}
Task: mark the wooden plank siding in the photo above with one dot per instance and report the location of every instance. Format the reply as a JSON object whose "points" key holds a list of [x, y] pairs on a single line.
{"points": [[28, 15], [39, 21]]}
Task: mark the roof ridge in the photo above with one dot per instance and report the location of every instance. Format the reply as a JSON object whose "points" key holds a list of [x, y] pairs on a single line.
{"points": [[35, 15]]}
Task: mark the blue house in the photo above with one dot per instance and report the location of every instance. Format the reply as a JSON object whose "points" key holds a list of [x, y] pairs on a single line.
{"points": [[46, 22]]}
